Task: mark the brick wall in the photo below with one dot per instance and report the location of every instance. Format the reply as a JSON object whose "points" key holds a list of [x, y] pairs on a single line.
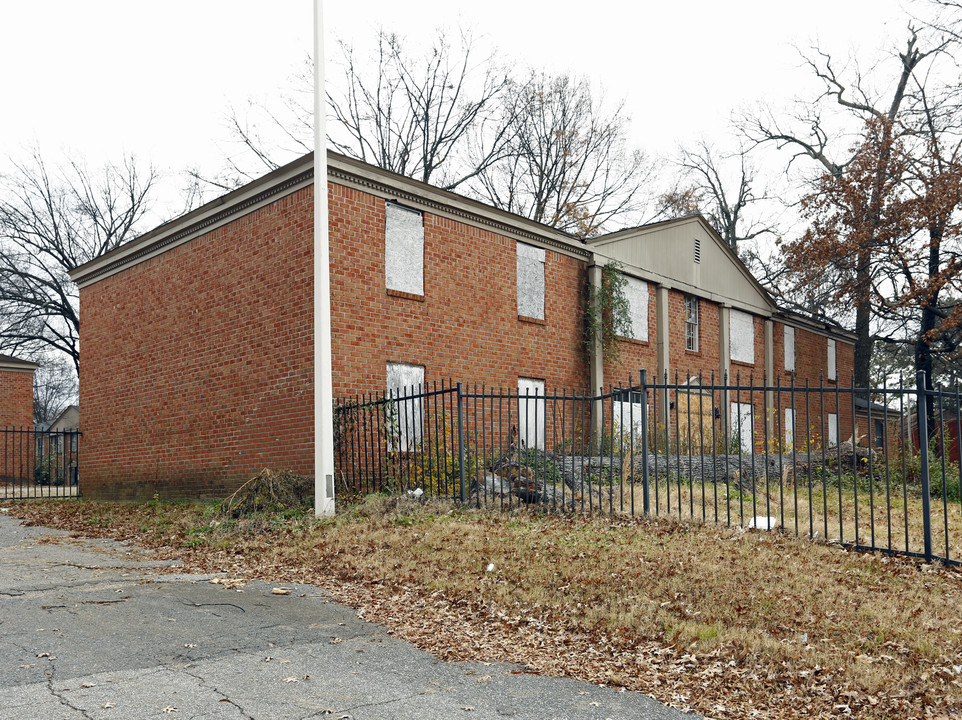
{"points": [[197, 366], [198, 363], [466, 326], [16, 398]]}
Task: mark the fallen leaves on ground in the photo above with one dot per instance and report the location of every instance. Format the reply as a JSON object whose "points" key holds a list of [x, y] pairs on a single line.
{"points": [[718, 620]]}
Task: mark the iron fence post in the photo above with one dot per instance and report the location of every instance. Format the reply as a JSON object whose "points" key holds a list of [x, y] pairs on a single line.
{"points": [[464, 490], [922, 420], [644, 439]]}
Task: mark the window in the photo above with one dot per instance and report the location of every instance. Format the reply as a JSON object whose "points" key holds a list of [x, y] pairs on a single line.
{"points": [[531, 412], [404, 382], [741, 427], [879, 438], [404, 250], [691, 324], [832, 369], [789, 348], [637, 293], [531, 281], [741, 337], [789, 427], [832, 429]]}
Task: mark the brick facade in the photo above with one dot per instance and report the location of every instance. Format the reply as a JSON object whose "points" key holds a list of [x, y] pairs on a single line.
{"points": [[16, 397], [197, 365]]}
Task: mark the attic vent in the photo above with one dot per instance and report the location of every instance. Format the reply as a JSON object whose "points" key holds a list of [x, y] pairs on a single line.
{"points": [[697, 250]]}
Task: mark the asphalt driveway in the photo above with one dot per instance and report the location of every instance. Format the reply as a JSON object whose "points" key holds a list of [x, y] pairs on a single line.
{"points": [[90, 629]]}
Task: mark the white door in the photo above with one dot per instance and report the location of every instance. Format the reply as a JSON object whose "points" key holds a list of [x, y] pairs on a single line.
{"points": [[531, 412], [741, 427]]}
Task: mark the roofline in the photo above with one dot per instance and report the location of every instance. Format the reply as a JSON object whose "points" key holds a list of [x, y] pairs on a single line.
{"points": [[616, 235], [787, 317], [806, 322], [446, 203], [8, 362], [299, 174], [700, 219], [62, 413]]}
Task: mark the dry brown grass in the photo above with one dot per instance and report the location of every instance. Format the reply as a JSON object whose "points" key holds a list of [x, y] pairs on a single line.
{"points": [[804, 509], [720, 620]]}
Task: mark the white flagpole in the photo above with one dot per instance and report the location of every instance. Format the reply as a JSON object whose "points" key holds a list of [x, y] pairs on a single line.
{"points": [[323, 385]]}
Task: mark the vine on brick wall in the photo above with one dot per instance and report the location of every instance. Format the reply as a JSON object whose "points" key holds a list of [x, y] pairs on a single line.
{"points": [[608, 313]]}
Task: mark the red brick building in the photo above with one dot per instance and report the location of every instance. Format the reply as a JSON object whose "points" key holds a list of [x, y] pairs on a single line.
{"points": [[197, 355], [16, 392]]}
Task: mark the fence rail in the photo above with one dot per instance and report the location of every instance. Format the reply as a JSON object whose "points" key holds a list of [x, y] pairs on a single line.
{"points": [[39, 464], [873, 468]]}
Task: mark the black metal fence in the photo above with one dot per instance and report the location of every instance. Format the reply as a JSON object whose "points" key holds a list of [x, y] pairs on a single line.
{"points": [[39, 464], [867, 468]]}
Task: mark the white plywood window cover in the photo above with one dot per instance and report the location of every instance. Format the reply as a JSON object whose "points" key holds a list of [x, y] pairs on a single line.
{"points": [[832, 369], [404, 418], [741, 335], [531, 412], [741, 425], [637, 293], [531, 281], [832, 429], [404, 250], [789, 427], [628, 410], [790, 348]]}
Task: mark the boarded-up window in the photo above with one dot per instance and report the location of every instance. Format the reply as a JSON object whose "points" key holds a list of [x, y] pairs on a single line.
{"points": [[832, 369], [637, 293], [789, 348], [832, 429], [741, 334], [531, 412], [531, 281], [404, 250], [741, 428], [628, 408], [403, 418], [789, 427]]}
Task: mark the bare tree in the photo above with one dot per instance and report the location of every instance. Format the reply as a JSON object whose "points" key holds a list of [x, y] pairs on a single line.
{"points": [[727, 190], [568, 162], [543, 148], [53, 219], [54, 387], [811, 136], [437, 118]]}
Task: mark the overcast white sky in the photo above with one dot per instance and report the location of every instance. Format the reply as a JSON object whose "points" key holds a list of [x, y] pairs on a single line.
{"points": [[104, 77]]}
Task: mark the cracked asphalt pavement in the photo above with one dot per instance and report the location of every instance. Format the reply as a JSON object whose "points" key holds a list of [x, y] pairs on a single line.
{"points": [[90, 629]]}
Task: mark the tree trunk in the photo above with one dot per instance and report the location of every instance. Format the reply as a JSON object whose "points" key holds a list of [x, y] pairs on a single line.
{"points": [[927, 323], [863, 318]]}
